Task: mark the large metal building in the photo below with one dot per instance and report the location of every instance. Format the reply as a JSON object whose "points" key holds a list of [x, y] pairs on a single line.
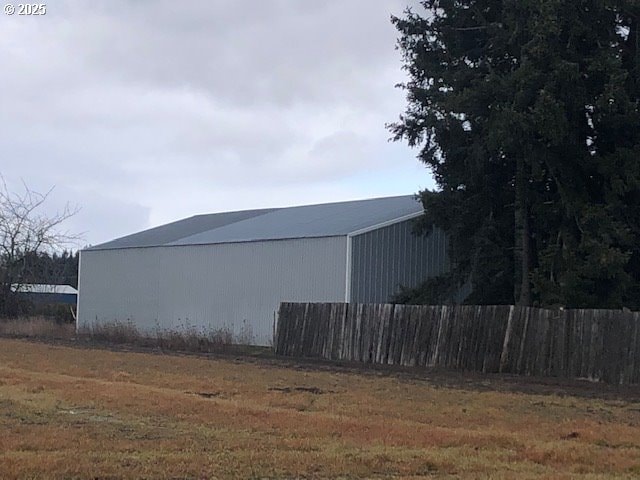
{"points": [[230, 271]]}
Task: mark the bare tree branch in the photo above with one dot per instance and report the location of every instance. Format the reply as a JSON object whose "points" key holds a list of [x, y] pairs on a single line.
{"points": [[25, 232]]}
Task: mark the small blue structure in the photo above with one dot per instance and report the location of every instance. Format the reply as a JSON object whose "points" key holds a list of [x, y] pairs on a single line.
{"points": [[40, 293]]}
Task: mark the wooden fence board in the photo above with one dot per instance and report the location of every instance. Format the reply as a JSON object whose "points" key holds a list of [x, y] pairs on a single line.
{"points": [[595, 344]]}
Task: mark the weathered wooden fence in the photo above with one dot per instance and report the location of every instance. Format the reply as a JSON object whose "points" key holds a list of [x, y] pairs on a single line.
{"points": [[599, 345]]}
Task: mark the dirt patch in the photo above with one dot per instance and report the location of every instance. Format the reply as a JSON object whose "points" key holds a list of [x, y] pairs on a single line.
{"points": [[313, 390], [205, 394]]}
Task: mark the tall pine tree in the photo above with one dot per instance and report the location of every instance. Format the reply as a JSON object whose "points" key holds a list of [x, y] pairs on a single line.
{"points": [[527, 113]]}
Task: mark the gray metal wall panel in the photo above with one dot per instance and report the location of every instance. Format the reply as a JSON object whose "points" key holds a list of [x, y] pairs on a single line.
{"points": [[384, 259], [209, 287]]}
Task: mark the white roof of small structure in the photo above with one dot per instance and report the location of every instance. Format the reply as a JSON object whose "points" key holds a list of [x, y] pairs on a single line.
{"points": [[44, 288]]}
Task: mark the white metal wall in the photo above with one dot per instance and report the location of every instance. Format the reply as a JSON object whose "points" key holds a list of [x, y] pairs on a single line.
{"points": [[208, 287]]}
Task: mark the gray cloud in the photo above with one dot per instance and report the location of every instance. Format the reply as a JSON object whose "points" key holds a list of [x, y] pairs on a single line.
{"points": [[143, 112]]}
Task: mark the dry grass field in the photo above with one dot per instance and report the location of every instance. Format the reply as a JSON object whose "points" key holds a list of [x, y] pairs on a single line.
{"points": [[94, 413]]}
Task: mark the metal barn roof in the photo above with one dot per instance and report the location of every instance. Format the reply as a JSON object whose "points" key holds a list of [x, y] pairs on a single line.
{"points": [[170, 232], [324, 220]]}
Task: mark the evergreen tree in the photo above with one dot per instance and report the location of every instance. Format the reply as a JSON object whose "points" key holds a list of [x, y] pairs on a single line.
{"points": [[527, 113]]}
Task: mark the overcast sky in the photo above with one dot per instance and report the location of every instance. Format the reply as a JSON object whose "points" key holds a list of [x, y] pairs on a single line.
{"points": [[141, 113]]}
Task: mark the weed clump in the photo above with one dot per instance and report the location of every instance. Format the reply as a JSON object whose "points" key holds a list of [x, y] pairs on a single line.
{"points": [[188, 339], [36, 327]]}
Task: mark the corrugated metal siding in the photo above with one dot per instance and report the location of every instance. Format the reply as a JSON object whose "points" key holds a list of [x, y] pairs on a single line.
{"points": [[382, 260], [232, 286]]}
